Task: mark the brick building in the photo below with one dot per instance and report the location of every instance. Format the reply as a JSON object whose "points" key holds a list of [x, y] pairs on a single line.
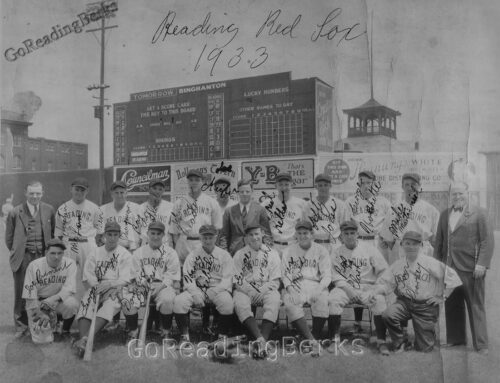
{"points": [[20, 153]]}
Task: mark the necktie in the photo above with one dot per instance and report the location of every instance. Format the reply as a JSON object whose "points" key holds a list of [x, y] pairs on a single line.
{"points": [[460, 209], [244, 212], [35, 210]]}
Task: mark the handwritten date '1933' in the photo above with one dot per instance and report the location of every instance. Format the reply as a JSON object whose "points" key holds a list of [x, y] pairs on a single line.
{"points": [[232, 57]]}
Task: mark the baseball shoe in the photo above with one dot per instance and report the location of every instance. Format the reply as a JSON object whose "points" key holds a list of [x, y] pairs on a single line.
{"points": [[383, 349], [483, 351], [184, 338], [259, 349], [112, 326], [80, 345], [132, 334], [316, 349], [332, 346], [399, 347], [62, 336], [166, 334], [21, 332], [356, 328]]}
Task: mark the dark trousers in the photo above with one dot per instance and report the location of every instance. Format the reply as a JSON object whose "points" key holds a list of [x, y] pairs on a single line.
{"points": [[471, 293], [20, 315], [424, 318]]}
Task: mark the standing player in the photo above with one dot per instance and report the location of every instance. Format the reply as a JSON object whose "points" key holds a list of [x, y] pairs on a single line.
{"points": [[411, 214], [421, 283], [306, 275], [190, 213], [356, 266], [326, 213], [222, 188], [125, 213], [208, 279], [77, 222], [257, 279], [284, 211], [155, 209], [156, 267], [50, 286], [107, 271]]}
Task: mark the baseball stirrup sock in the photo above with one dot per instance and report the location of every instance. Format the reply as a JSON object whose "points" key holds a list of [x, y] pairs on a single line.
{"points": [[67, 323], [333, 325], [317, 326], [358, 314], [301, 325], [266, 328], [131, 321], [251, 324], [166, 321], [182, 322], [380, 327], [224, 324]]}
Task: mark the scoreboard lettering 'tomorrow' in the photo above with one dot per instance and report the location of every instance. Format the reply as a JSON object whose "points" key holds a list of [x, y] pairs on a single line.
{"points": [[261, 116]]}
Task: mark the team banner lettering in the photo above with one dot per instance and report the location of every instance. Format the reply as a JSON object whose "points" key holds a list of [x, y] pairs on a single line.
{"points": [[263, 173], [137, 178]]}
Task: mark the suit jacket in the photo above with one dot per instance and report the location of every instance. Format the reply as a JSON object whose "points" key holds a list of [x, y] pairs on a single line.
{"points": [[232, 234], [16, 234], [470, 243]]}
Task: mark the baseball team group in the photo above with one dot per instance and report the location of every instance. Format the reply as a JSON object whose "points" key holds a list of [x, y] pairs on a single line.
{"points": [[227, 256]]}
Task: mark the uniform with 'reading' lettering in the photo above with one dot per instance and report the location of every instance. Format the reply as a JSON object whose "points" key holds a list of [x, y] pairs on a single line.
{"points": [[129, 221], [309, 272], [149, 214], [188, 215], [257, 272]]}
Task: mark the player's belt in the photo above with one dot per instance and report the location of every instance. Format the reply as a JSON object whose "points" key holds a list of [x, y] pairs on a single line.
{"points": [[366, 237], [192, 238], [322, 240], [418, 301], [281, 243], [77, 239]]}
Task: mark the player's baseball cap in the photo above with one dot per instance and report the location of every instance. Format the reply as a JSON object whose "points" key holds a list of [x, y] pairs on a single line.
{"points": [[55, 242], [157, 225], [118, 184], [323, 177], [414, 235], [251, 227], [304, 225], [80, 181], [222, 180], [208, 230], [283, 177], [367, 174], [346, 225], [112, 226], [156, 182], [194, 173], [413, 176]]}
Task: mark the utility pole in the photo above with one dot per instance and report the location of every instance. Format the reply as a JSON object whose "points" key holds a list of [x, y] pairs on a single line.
{"points": [[99, 111]]}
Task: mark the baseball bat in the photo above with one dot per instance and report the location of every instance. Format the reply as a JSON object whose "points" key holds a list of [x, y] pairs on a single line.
{"points": [[144, 324], [90, 340]]}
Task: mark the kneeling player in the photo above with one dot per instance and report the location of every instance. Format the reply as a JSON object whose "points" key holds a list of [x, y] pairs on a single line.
{"points": [[356, 266], [156, 267], [208, 279], [306, 273], [107, 270], [256, 280], [49, 289]]}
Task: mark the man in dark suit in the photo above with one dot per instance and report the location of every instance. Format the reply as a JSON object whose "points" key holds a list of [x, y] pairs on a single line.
{"points": [[240, 216], [465, 242], [29, 227]]}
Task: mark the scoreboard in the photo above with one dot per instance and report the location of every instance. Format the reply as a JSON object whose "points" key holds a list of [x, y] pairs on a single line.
{"points": [[261, 116]]}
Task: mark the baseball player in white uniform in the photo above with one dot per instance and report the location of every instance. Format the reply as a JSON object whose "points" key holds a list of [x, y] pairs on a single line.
{"points": [[190, 212], [156, 267], [306, 275], [421, 284], [107, 271], [77, 222], [326, 213], [155, 209], [125, 213], [356, 266], [256, 279], [50, 287], [410, 214], [284, 211], [222, 188], [208, 279]]}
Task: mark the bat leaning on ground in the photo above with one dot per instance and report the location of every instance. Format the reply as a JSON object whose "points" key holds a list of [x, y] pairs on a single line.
{"points": [[90, 340], [144, 324]]}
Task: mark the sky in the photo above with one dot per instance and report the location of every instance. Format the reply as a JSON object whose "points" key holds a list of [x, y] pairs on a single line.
{"points": [[434, 61]]}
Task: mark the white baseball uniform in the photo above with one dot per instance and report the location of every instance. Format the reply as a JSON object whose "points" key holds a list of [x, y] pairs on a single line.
{"points": [[309, 272], [326, 219], [129, 221], [283, 215], [77, 225], [358, 269], [369, 213], [209, 276], [149, 214], [103, 265], [256, 272], [188, 216], [156, 266]]}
